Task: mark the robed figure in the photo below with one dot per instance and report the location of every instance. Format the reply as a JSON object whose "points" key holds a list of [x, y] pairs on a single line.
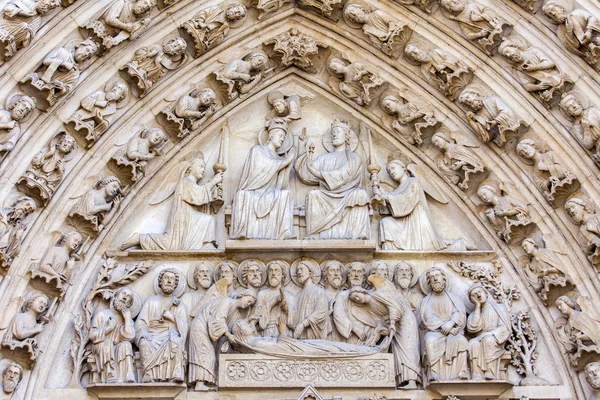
{"points": [[263, 206], [339, 208], [312, 307]]}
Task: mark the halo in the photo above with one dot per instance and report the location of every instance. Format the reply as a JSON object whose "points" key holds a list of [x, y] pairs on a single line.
{"points": [[326, 139], [344, 272], [136, 306], [415, 277], [424, 284], [347, 267], [314, 266], [347, 20], [179, 290], [371, 268], [125, 100], [244, 264], [288, 141], [235, 266], [420, 43], [192, 271], [286, 270], [482, 90]]}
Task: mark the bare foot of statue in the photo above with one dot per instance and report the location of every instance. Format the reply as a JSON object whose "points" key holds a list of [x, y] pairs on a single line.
{"points": [[134, 240]]}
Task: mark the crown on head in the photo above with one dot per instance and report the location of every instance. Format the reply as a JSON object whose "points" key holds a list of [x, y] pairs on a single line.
{"points": [[342, 124], [277, 123]]}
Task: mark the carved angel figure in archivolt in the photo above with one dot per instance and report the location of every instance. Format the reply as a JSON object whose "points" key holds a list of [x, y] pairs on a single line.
{"points": [[242, 75], [354, 80], [582, 211], [411, 120], [458, 161]]}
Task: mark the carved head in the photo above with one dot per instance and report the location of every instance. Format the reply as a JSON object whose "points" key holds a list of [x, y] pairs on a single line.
{"points": [[203, 273], [390, 104], [337, 66], [405, 274], [111, 186], [175, 47], [478, 294], [511, 50], [22, 108], [277, 128], [333, 274], [156, 137], [44, 6], [118, 92], [37, 302], [414, 53], [252, 274], [488, 192], [168, 280], [225, 270], [440, 140], [303, 272], [359, 295], [555, 11], [11, 376], [196, 168], [529, 246], [571, 106], [66, 144], [471, 98], [258, 61], [123, 299], [72, 241], [380, 268], [277, 100], [357, 274], [206, 97], [566, 305], [21, 208], [340, 133], [142, 6], [527, 148], [276, 273], [453, 6], [235, 12], [577, 209], [396, 169], [356, 13], [85, 50], [592, 374], [437, 279], [245, 299]]}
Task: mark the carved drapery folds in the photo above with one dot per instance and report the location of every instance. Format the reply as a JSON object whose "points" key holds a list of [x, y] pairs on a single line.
{"points": [[188, 113], [354, 80]]}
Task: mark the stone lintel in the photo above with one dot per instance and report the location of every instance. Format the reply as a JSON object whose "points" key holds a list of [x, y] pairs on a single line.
{"points": [[362, 246], [472, 390], [142, 391]]}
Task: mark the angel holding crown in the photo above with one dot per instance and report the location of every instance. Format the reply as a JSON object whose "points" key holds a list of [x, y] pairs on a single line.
{"points": [[190, 226]]}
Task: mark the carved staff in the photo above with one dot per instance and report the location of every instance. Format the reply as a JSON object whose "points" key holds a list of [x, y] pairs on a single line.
{"points": [[48, 316], [220, 167], [373, 169]]}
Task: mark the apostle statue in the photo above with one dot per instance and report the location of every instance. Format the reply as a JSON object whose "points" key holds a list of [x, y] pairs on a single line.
{"points": [[200, 279], [542, 77], [592, 376], [339, 208], [242, 75], [584, 215], [20, 22], [189, 112], [312, 309], [443, 317], [18, 108], [161, 329], [13, 227], [459, 161], [111, 333], [275, 304], [150, 63], [59, 72], [477, 22], [586, 122], [252, 274], [97, 205], [490, 117], [263, 204], [214, 321], [47, 169], [406, 278], [227, 270], [354, 81], [96, 110], [332, 279], [11, 377], [491, 324], [449, 73], [122, 20], [211, 26], [190, 226]]}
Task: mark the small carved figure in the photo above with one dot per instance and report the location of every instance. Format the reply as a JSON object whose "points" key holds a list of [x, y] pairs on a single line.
{"points": [[150, 63], [385, 32], [96, 110], [406, 278], [189, 112], [492, 119], [555, 181], [18, 108], [411, 121], [458, 161], [584, 215], [311, 319], [443, 316], [13, 227], [578, 328], [508, 215], [200, 278], [21, 21], [59, 72], [491, 324], [111, 333], [211, 26], [47, 169], [242, 75], [357, 83], [331, 9], [122, 20], [543, 268], [11, 377], [477, 22], [450, 74], [580, 30], [26, 325], [97, 205], [133, 158], [190, 226], [295, 48], [285, 106], [161, 330], [56, 266], [275, 304], [586, 122], [541, 76], [263, 204], [592, 376], [339, 209]]}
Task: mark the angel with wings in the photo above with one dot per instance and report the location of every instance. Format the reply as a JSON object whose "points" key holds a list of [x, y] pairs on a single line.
{"points": [[190, 226], [354, 81], [578, 327], [458, 161], [410, 119], [242, 75]]}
